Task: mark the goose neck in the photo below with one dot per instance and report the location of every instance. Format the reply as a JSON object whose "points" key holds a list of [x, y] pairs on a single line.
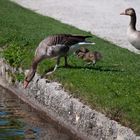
{"points": [[133, 22]]}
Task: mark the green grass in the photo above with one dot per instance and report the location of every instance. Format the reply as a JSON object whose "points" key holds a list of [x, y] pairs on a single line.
{"points": [[112, 86]]}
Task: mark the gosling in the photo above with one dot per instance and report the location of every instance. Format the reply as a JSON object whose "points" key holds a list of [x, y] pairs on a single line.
{"points": [[91, 57]]}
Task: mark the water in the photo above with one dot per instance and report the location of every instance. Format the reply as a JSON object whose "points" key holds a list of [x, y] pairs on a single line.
{"points": [[18, 121]]}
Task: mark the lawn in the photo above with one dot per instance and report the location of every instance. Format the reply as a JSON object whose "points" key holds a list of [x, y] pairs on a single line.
{"points": [[112, 86]]}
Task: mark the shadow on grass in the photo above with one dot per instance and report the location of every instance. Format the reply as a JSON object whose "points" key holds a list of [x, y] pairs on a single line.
{"points": [[98, 68], [93, 67]]}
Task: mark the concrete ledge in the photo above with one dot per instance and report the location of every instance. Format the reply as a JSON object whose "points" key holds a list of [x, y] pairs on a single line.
{"points": [[68, 111]]}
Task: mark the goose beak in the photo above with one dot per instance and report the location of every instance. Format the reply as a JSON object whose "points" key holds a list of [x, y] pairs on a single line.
{"points": [[25, 84], [123, 13]]}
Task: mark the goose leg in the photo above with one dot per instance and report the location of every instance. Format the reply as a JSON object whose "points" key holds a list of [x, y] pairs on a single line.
{"points": [[66, 62], [56, 66]]}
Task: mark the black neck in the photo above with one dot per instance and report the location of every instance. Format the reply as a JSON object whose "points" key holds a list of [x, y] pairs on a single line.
{"points": [[133, 22]]}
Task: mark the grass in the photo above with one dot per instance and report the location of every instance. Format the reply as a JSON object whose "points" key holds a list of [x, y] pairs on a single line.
{"points": [[112, 86]]}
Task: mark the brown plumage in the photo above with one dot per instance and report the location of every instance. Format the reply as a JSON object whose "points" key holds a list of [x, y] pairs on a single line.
{"points": [[66, 39], [55, 46], [88, 56]]}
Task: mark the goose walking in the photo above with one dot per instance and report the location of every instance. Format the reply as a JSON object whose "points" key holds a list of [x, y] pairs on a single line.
{"points": [[55, 46], [132, 34]]}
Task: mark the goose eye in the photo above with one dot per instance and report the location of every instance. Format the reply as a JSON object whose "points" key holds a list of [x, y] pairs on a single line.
{"points": [[130, 12]]}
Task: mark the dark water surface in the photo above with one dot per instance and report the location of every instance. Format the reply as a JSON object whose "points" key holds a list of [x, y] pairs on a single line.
{"points": [[18, 121]]}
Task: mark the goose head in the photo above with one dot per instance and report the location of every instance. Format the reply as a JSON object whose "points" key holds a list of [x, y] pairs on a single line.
{"points": [[129, 12], [133, 34], [29, 77]]}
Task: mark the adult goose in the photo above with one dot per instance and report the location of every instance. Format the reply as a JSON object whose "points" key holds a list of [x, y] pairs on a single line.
{"points": [[132, 34], [55, 46]]}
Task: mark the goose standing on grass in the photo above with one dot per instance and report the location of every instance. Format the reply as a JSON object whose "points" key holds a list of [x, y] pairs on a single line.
{"points": [[132, 34], [55, 46]]}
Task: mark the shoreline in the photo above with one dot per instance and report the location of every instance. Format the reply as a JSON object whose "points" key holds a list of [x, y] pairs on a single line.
{"points": [[69, 112], [38, 108]]}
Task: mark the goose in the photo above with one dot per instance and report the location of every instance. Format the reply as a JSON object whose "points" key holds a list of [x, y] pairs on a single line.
{"points": [[132, 34], [55, 46]]}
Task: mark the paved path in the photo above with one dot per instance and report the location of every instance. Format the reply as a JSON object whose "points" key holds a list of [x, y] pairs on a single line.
{"points": [[101, 17]]}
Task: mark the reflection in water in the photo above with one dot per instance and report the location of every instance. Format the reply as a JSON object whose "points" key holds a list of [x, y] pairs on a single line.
{"points": [[18, 121]]}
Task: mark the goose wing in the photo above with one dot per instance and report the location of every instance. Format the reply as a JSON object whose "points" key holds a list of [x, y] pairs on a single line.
{"points": [[64, 39]]}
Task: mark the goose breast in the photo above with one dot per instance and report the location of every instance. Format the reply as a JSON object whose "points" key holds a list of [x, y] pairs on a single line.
{"points": [[134, 37]]}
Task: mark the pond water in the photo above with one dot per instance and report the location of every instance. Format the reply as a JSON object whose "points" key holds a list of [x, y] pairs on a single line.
{"points": [[18, 121]]}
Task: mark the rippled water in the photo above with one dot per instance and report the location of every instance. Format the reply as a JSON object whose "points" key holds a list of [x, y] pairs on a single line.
{"points": [[18, 121]]}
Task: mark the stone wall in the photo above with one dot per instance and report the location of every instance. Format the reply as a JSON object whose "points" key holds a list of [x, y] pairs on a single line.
{"points": [[68, 111]]}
